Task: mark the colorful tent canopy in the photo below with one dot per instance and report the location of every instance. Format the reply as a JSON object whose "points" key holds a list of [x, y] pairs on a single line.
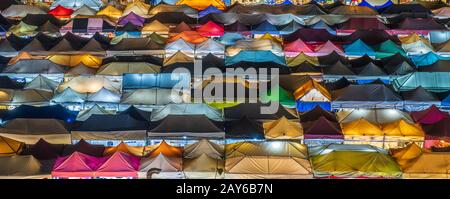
{"points": [[152, 96], [10, 97], [74, 60], [254, 56], [432, 81], [186, 109], [9, 147], [297, 48], [125, 148], [376, 116], [358, 48], [76, 165], [353, 10], [137, 7], [165, 157], [133, 19], [278, 94], [430, 115], [209, 10], [84, 11], [110, 11], [202, 5], [20, 11], [61, 12], [76, 4], [244, 129], [210, 29], [437, 132], [264, 160], [376, 4], [352, 161], [42, 150], [203, 156], [120, 68], [282, 129], [118, 165], [92, 84], [155, 27]]}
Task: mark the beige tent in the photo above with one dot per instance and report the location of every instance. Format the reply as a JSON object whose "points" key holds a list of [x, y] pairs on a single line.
{"points": [[264, 44], [377, 116], [11, 97], [91, 84], [399, 133], [94, 110], [299, 59], [155, 27], [270, 159], [24, 167], [138, 7], [283, 129], [42, 83], [178, 57], [120, 68], [203, 159], [31, 130], [164, 157]]}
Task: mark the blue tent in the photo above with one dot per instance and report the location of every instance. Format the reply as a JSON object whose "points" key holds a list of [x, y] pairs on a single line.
{"points": [[370, 81], [385, 5], [254, 56], [209, 10], [265, 27], [425, 59], [230, 38], [156, 2], [446, 101], [49, 112], [285, 2], [307, 106], [322, 25], [144, 81], [358, 48]]}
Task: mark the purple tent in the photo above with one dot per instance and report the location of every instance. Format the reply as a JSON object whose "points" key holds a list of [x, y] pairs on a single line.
{"points": [[132, 18]]}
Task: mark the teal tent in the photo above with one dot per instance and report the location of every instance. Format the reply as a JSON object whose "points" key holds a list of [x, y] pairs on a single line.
{"points": [[431, 81], [254, 56], [388, 48], [358, 48], [427, 59]]}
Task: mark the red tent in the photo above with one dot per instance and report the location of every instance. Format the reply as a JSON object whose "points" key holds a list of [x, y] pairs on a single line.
{"points": [[61, 12], [296, 47], [119, 164], [211, 29], [430, 115], [77, 165]]}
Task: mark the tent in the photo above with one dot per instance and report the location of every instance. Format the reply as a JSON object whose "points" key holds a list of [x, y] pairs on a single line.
{"points": [[137, 113], [74, 60], [10, 97], [137, 151], [243, 129], [94, 110], [352, 161], [203, 159], [20, 11], [120, 68], [254, 56], [84, 11], [417, 164], [161, 80], [42, 150], [105, 128], [370, 96], [301, 58], [210, 29], [85, 148], [353, 10], [401, 132], [151, 96], [69, 95], [91, 84], [104, 95], [137, 7], [388, 48], [110, 11], [186, 109], [405, 8], [165, 157], [189, 36], [23, 167], [282, 129], [262, 8], [183, 125], [76, 165], [23, 29], [437, 132], [133, 19], [76, 4], [270, 159], [397, 65], [321, 131], [177, 58], [358, 48], [30, 131], [253, 111], [155, 27], [202, 5], [89, 25], [279, 94], [425, 59], [431, 81], [376, 116], [354, 24], [9, 147], [297, 48], [44, 112], [210, 46], [61, 12], [430, 115], [119, 165], [362, 131], [419, 99], [443, 12], [181, 46], [209, 10], [255, 45], [376, 4]]}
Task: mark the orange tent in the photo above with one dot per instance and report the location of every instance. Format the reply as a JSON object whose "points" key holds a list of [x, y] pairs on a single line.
{"points": [[125, 148], [203, 4], [166, 150], [189, 36]]}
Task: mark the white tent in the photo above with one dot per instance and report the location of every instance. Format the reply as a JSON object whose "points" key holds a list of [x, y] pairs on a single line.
{"points": [[377, 116], [180, 45], [153, 96], [69, 95], [42, 83], [209, 46], [168, 159], [90, 84], [203, 159], [104, 96], [76, 4], [187, 109], [94, 110], [20, 11]]}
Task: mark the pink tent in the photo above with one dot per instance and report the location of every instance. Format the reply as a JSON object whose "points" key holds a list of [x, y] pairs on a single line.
{"points": [[327, 48], [119, 164], [76, 165], [211, 29], [430, 115], [296, 47]]}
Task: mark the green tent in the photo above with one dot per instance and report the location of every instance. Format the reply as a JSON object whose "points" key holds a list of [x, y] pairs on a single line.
{"points": [[284, 97], [431, 81], [388, 48]]}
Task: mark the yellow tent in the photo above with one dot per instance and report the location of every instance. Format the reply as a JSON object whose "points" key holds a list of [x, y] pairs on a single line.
{"points": [[120, 68], [300, 58], [407, 155], [412, 38], [311, 90], [23, 56], [203, 4], [222, 105], [23, 29], [138, 7], [122, 147], [75, 60], [282, 129], [429, 165], [268, 36], [362, 131], [352, 161], [398, 133], [178, 57], [111, 12], [9, 146], [155, 27]]}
